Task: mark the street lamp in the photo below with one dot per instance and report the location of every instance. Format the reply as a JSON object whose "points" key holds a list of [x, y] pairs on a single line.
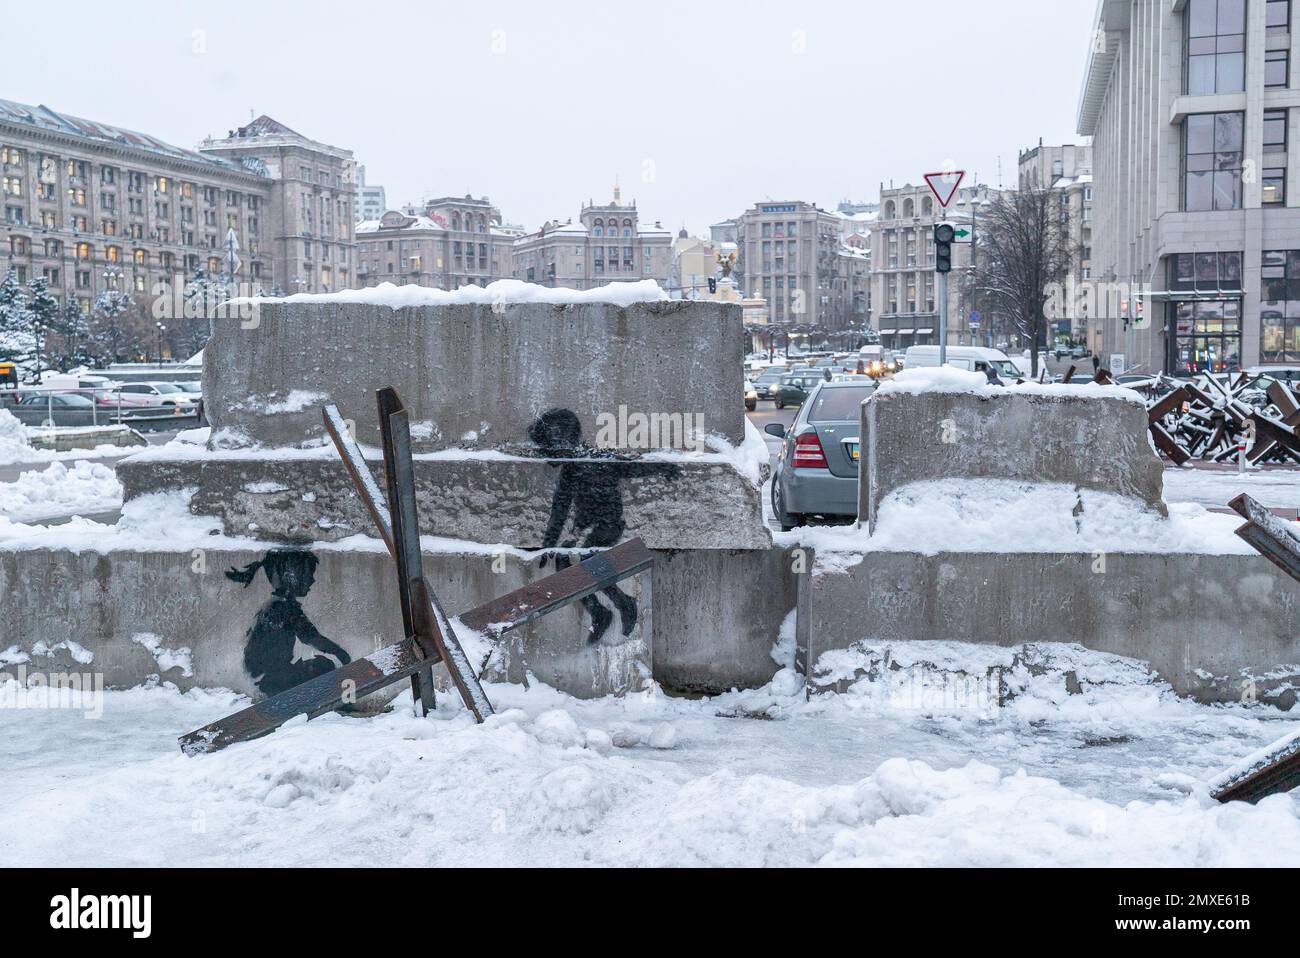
{"points": [[161, 329]]}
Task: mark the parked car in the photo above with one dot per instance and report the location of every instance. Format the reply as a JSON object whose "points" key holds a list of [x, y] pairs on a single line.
{"points": [[795, 388], [59, 409], [751, 396], [153, 395], [817, 471]]}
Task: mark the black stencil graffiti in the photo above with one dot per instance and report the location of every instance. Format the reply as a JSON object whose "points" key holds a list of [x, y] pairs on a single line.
{"points": [[282, 624], [589, 491]]}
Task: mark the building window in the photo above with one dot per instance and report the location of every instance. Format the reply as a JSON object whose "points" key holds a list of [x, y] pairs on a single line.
{"points": [[1277, 68], [1212, 160], [1279, 308], [1216, 46], [1279, 17], [1273, 185], [1207, 330]]}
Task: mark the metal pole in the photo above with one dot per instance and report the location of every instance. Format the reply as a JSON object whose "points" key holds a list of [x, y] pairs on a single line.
{"points": [[943, 319]]}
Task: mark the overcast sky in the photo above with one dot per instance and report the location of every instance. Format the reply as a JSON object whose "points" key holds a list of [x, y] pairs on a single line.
{"points": [[699, 109]]}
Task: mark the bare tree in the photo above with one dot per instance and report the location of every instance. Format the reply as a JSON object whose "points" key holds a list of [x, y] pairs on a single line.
{"points": [[1026, 248]]}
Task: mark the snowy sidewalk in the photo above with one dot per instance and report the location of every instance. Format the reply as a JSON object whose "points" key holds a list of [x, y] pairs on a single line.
{"points": [[1107, 777]]}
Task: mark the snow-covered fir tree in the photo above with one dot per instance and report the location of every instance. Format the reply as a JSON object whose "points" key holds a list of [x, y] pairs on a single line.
{"points": [[108, 332]]}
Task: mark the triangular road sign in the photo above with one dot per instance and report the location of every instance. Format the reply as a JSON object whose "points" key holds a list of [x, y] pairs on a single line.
{"points": [[944, 185]]}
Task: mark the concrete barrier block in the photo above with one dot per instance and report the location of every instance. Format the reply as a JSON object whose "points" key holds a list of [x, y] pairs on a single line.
{"points": [[489, 500], [1092, 441], [259, 622], [1219, 628], [475, 376]]}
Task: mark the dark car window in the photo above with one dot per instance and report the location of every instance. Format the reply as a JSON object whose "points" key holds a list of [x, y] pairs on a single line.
{"points": [[839, 405]]}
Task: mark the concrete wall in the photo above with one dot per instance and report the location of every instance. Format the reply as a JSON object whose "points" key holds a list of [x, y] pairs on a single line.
{"points": [[102, 601], [1093, 442], [471, 371], [1205, 623], [718, 615], [671, 506], [711, 626]]}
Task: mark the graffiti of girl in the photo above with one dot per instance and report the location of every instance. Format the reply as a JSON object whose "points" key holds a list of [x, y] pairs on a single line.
{"points": [[282, 623]]}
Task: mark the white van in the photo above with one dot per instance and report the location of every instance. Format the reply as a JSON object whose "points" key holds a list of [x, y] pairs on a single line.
{"points": [[977, 359]]}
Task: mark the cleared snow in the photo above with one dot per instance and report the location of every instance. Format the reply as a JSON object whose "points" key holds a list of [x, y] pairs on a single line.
{"points": [[1275, 488], [1114, 775], [85, 488], [502, 292]]}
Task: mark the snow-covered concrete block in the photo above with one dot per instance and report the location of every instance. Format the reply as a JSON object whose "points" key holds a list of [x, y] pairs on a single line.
{"points": [[675, 503], [934, 425], [635, 375], [1233, 642], [261, 621]]}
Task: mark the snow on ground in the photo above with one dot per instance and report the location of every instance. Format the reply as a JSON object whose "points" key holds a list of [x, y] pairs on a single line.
{"points": [[16, 447], [1108, 776], [1275, 488], [85, 488]]}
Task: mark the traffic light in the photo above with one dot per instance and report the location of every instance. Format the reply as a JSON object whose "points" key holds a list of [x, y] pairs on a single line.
{"points": [[944, 234], [713, 286]]}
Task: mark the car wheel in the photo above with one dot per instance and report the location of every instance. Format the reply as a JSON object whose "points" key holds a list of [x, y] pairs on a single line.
{"points": [[787, 522], [779, 404]]}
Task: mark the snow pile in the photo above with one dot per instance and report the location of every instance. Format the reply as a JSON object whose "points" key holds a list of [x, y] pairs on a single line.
{"points": [[1011, 516], [14, 445], [949, 379], [1037, 681], [505, 292], [59, 491], [1090, 762]]}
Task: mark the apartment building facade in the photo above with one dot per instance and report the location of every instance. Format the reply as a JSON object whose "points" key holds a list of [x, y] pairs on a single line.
{"points": [[313, 210], [789, 255], [904, 282], [1194, 108], [93, 207], [608, 244], [454, 242]]}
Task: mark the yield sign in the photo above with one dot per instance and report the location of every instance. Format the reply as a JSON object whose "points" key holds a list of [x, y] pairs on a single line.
{"points": [[944, 185]]}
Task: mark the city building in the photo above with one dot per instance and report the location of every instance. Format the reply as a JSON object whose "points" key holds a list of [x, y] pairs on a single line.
{"points": [[789, 256], [904, 298], [695, 262], [93, 207], [312, 210], [452, 242], [607, 245], [372, 201], [1193, 111], [728, 231], [1067, 170]]}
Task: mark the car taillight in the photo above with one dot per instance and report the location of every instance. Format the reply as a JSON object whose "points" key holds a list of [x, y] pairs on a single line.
{"points": [[808, 452]]}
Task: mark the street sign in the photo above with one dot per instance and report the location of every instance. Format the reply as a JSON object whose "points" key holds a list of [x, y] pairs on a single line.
{"points": [[944, 185], [974, 321], [963, 234]]}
